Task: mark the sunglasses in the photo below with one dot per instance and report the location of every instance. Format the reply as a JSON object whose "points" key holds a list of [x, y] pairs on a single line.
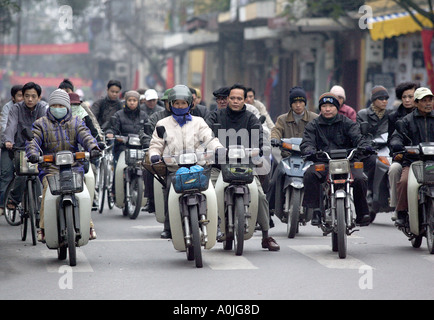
{"points": [[383, 98]]}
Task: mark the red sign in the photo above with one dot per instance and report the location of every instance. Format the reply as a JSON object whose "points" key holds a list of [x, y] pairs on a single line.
{"points": [[427, 36], [49, 82], [45, 49]]}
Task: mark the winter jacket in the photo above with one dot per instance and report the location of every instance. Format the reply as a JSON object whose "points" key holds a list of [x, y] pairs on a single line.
{"points": [[19, 118], [377, 126], [149, 112], [394, 116], [104, 109], [347, 111], [418, 128], [195, 135], [52, 136], [286, 127], [341, 133], [125, 122], [145, 137], [242, 122]]}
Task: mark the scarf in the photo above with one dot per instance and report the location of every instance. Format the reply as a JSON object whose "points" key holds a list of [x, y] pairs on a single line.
{"points": [[379, 112], [181, 115]]}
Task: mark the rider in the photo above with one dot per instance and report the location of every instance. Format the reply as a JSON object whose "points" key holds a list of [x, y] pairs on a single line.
{"points": [[105, 108], [183, 132], [404, 92], [418, 126], [237, 117], [328, 132], [288, 125], [129, 120], [21, 116], [58, 122]]}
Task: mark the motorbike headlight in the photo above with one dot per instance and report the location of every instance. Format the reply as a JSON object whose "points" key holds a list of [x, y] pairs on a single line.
{"points": [[339, 166], [428, 150], [134, 141], [64, 158], [188, 158]]}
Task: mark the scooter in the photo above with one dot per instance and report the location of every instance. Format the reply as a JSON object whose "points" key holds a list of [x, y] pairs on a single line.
{"points": [[129, 178], [237, 197], [338, 205], [379, 200], [192, 202], [420, 191], [288, 208]]}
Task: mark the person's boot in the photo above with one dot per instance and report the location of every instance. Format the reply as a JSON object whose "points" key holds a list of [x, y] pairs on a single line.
{"points": [[149, 206], [401, 218], [316, 218]]}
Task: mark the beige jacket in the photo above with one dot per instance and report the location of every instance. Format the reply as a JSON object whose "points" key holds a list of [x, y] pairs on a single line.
{"points": [[195, 135]]}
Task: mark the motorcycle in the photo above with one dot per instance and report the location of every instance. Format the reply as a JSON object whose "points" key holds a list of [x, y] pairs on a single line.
{"points": [[337, 194], [129, 179], [379, 200], [420, 191], [192, 203], [237, 197], [292, 168]]}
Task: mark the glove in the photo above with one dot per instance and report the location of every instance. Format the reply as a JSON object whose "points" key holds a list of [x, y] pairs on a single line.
{"points": [[95, 153], [155, 158], [397, 148], [33, 159], [369, 150], [275, 142], [101, 145]]}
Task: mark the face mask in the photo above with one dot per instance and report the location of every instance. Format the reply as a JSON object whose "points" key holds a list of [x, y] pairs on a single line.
{"points": [[59, 113], [180, 112]]}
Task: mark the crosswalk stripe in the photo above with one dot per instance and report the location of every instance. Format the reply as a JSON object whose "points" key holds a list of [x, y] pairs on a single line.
{"points": [[323, 254], [222, 260], [53, 265]]}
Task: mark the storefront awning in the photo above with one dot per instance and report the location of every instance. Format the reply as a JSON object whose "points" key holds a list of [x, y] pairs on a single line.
{"points": [[390, 20]]}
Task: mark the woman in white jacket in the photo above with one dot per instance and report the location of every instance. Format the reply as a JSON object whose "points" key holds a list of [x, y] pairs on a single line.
{"points": [[183, 133]]}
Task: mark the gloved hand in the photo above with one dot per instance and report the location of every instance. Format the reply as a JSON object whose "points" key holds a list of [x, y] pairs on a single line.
{"points": [[33, 159], [310, 156], [95, 153], [275, 142], [101, 145], [397, 148], [369, 150], [155, 158]]}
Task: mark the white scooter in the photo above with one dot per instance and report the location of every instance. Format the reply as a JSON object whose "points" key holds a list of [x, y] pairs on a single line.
{"points": [[237, 198]]}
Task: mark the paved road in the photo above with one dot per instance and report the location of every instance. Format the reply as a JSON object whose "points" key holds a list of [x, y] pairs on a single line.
{"points": [[130, 261]]}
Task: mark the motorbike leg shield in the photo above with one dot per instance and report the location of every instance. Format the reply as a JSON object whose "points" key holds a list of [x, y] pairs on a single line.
{"points": [[51, 205], [211, 215], [159, 201], [85, 208], [89, 179], [413, 203], [120, 193]]}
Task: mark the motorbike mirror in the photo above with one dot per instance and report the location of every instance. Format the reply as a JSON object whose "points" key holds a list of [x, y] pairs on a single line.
{"points": [[364, 128], [28, 134], [262, 119], [399, 125], [161, 130]]}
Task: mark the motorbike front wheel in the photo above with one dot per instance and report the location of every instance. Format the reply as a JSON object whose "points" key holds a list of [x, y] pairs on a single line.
{"points": [[196, 239], [102, 183], [293, 213], [136, 195], [341, 228], [70, 235], [239, 223]]}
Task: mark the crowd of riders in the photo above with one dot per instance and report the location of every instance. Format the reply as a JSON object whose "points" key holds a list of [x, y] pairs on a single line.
{"points": [[65, 120]]}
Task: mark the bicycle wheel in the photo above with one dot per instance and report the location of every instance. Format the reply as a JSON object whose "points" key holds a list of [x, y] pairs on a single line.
{"points": [[12, 216], [31, 209], [109, 173], [102, 184]]}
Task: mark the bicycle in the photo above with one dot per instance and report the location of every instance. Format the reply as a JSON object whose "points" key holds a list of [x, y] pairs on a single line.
{"points": [[28, 209], [105, 178]]}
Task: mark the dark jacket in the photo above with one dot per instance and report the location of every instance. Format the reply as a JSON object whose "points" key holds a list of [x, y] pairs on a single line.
{"points": [[104, 109], [145, 136], [377, 126], [53, 136], [416, 127], [21, 117], [127, 121], [239, 121], [341, 133], [394, 116]]}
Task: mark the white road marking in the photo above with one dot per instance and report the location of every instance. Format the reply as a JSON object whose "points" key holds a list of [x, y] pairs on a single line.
{"points": [[53, 264], [324, 255], [222, 260]]}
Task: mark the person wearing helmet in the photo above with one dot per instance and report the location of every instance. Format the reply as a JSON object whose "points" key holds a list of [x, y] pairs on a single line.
{"points": [[182, 132]]}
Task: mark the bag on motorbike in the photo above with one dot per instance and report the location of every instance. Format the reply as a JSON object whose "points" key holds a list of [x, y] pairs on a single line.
{"points": [[191, 178]]}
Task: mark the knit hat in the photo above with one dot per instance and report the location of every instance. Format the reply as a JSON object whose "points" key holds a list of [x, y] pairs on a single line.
{"points": [[74, 98], [130, 94], [297, 94], [338, 91], [329, 97], [59, 96], [378, 92]]}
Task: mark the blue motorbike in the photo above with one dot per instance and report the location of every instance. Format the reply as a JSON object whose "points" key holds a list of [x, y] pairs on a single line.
{"points": [[290, 187]]}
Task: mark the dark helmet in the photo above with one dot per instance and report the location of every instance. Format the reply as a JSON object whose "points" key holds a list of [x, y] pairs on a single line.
{"points": [[180, 92]]}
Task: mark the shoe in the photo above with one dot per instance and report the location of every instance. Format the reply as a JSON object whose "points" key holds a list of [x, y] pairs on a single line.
{"points": [[401, 218], [219, 234], [149, 207], [316, 218], [41, 236], [92, 234], [166, 235], [364, 220], [270, 244]]}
